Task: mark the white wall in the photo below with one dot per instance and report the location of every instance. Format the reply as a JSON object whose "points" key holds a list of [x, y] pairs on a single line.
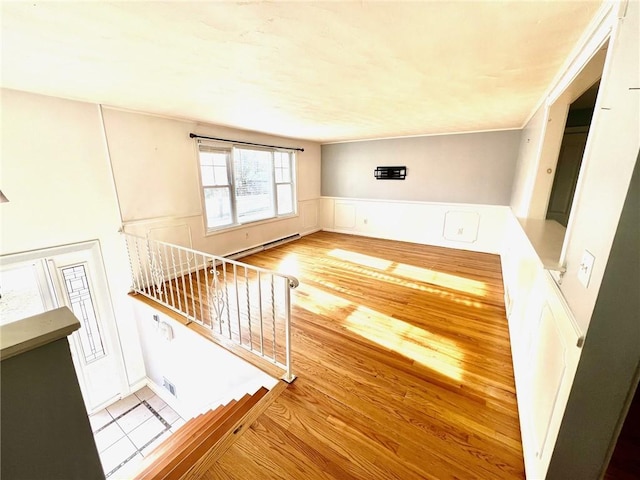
{"points": [[548, 323], [462, 168], [204, 374], [155, 165], [607, 165], [545, 345], [541, 141], [56, 174], [464, 226], [525, 174]]}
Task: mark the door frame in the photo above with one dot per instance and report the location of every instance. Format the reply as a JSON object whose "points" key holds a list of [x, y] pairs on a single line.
{"points": [[97, 275]]}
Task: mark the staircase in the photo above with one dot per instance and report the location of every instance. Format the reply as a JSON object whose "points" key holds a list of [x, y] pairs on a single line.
{"points": [[198, 443]]}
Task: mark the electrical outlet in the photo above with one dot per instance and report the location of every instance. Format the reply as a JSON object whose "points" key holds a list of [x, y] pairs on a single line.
{"points": [[585, 268]]}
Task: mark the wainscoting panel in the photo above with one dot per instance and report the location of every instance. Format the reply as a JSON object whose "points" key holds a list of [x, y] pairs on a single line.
{"points": [[461, 226], [468, 227], [345, 215], [545, 344]]}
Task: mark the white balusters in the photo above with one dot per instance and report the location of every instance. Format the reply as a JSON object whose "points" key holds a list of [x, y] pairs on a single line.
{"points": [[159, 271]]}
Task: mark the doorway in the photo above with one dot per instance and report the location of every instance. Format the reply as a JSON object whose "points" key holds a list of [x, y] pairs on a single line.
{"points": [[572, 148], [72, 276]]}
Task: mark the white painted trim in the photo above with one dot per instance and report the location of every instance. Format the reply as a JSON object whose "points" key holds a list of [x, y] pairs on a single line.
{"points": [[606, 72], [142, 221], [415, 222], [419, 135], [415, 202]]}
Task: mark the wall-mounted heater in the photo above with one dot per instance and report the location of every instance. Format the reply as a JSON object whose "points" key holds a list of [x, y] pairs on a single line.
{"points": [[390, 173]]}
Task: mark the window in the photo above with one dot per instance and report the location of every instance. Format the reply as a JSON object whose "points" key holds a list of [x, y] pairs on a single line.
{"points": [[76, 284], [243, 185]]}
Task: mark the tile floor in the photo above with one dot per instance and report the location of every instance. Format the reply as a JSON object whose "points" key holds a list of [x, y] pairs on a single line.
{"points": [[130, 429]]}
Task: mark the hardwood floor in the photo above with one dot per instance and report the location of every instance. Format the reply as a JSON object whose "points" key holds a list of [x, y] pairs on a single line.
{"points": [[404, 368]]}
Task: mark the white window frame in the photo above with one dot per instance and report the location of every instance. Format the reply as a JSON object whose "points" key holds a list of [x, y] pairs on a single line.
{"points": [[230, 158]]}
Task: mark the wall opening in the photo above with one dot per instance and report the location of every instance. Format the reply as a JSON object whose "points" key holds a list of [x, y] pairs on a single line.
{"points": [[563, 155], [572, 148]]}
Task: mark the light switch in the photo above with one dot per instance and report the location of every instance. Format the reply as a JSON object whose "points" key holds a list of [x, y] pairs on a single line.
{"points": [[585, 268]]}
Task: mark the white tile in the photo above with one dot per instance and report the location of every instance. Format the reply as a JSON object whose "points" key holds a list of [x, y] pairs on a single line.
{"points": [[149, 448], [135, 417], [116, 454], [169, 415], [129, 470], [144, 393], [143, 434], [108, 436], [100, 419], [156, 403], [177, 424], [123, 405]]}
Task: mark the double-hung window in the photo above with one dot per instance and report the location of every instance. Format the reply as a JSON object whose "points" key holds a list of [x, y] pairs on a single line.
{"points": [[242, 185]]}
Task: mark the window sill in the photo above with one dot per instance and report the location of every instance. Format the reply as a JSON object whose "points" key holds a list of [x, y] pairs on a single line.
{"points": [[216, 231]]}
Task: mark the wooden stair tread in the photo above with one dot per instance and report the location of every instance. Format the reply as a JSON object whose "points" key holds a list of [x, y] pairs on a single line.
{"points": [[193, 425], [199, 444], [173, 458]]}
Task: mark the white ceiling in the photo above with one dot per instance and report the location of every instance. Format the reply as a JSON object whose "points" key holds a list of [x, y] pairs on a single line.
{"points": [[325, 71]]}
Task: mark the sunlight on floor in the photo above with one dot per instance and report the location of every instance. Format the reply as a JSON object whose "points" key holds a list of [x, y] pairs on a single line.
{"points": [[446, 280], [318, 301], [289, 265], [359, 258], [429, 349], [399, 281], [411, 272]]}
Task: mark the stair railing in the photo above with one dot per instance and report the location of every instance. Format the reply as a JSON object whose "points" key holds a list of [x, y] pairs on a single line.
{"points": [[246, 305]]}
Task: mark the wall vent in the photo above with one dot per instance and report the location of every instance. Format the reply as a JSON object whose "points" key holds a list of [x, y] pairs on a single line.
{"points": [[169, 386]]}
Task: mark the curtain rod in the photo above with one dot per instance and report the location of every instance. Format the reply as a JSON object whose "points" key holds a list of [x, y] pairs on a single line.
{"points": [[193, 135]]}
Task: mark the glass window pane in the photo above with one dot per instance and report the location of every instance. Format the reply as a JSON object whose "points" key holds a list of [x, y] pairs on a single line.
{"points": [[253, 185], [282, 166], [76, 284], [20, 295], [208, 177], [285, 199], [213, 166], [218, 206]]}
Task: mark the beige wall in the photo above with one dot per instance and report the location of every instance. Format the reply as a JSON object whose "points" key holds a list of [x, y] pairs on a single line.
{"points": [[56, 174], [155, 166]]}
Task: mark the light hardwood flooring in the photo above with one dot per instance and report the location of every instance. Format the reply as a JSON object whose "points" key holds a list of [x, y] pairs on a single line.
{"points": [[404, 368]]}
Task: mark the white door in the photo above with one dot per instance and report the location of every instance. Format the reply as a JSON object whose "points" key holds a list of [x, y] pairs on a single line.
{"points": [[71, 276]]}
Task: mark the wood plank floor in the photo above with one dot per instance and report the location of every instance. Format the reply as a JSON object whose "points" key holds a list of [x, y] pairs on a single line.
{"points": [[404, 369]]}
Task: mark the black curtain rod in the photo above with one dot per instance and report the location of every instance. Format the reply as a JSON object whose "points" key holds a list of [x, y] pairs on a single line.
{"points": [[193, 135]]}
